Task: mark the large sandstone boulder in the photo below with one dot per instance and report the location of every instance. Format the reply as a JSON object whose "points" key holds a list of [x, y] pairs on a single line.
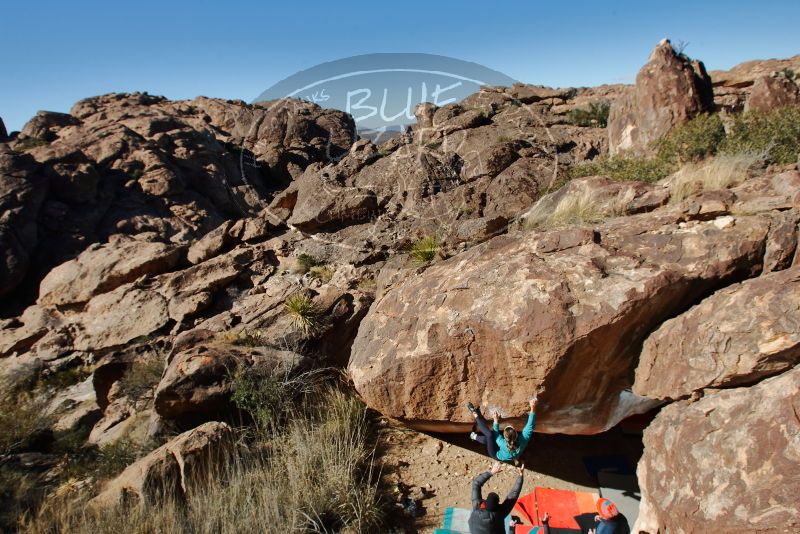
{"points": [[170, 470], [737, 336], [562, 310], [771, 92], [727, 463], [670, 90]]}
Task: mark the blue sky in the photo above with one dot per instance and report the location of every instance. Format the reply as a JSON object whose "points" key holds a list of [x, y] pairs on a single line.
{"points": [[55, 53]]}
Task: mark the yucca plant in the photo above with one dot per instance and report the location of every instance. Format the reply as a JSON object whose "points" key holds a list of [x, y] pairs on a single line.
{"points": [[302, 311], [425, 249]]}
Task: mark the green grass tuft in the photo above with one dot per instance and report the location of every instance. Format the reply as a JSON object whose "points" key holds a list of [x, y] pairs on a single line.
{"points": [[302, 311], [424, 250]]}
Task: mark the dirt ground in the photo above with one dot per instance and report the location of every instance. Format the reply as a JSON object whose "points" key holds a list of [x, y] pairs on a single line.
{"points": [[440, 467]]}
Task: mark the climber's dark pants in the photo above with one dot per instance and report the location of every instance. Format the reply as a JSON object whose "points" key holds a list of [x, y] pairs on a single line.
{"points": [[489, 437]]}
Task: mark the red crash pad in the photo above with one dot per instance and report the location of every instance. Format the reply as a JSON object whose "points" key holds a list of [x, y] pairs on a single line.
{"points": [[562, 505]]}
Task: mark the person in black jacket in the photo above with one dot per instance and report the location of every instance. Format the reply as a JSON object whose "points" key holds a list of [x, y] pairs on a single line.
{"points": [[488, 515]]}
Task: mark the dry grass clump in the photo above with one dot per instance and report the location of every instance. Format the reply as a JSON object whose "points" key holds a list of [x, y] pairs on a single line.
{"points": [[22, 417], [580, 207], [244, 338], [719, 172], [323, 273], [315, 474], [142, 376]]}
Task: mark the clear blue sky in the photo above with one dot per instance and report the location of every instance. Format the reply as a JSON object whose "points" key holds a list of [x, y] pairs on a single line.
{"points": [[57, 52]]}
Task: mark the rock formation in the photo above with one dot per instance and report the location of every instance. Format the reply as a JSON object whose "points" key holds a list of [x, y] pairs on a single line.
{"points": [[737, 336], [732, 87], [169, 469], [670, 90], [770, 92]]}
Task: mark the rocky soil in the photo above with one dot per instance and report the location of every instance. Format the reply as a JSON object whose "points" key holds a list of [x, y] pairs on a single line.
{"points": [[137, 229]]}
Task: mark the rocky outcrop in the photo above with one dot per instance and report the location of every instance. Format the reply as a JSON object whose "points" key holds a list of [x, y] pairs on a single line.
{"points": [[137, 164], [726, 463], [670, 90], [169, 470], [737, 336], [22, 191], [771, 92], [102, 268], [3, 131], [732, 87], [199, 380]]}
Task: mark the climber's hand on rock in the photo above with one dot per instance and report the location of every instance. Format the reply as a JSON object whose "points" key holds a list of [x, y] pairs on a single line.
{"points": [[496, 468], [496, 416], [532, 403], [521, 469]]}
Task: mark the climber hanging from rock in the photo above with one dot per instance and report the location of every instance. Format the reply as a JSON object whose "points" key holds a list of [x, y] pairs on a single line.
{"points": [[509, 445]]}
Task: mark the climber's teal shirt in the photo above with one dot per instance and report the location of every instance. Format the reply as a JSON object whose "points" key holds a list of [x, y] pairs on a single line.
{"points": [[503, 453]]}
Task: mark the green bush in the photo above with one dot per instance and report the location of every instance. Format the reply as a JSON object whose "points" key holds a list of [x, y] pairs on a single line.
{"points": [[624, 168], [775, 133], [305, 262], [29, 143], [424, 250], [595, 115], [262, 395], [693, 141]]}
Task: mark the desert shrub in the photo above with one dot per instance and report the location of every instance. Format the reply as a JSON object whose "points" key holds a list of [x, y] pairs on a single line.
{"points": [[305, 262], [27, 144], [58, 380], [624, 168], [323, 273], [775, 133], [595, 115], [425, 249], [244, 338], [314, 474], [262, 395], [302, 311], [719, 172], [21, 419], [142, 376], [692, 141]]}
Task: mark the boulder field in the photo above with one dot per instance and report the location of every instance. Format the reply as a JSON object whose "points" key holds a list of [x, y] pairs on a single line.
{"points": [[181, 242]]}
